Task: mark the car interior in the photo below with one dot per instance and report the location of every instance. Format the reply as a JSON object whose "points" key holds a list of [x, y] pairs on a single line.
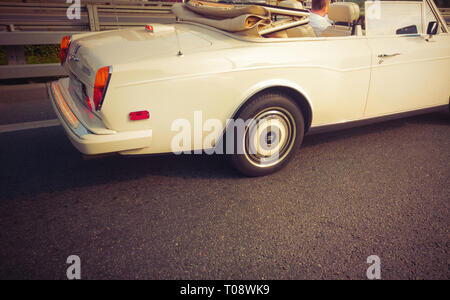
{"points": [[288, 20], [345, 16]]}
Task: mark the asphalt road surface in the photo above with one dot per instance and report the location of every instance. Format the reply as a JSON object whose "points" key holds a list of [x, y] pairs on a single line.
{"points": [[376, 190]]}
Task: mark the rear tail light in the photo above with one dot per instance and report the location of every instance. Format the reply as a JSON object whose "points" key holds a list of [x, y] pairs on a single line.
{"points": [[64, 47], [101, 84]]}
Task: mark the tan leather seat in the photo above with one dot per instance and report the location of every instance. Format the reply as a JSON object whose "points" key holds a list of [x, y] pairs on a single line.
{"points": [[342, 12]]}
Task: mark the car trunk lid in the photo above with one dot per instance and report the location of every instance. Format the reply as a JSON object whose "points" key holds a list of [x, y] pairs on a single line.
{"points": [[89, 53]]}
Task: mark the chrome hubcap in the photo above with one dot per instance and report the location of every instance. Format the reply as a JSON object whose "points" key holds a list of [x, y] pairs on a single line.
{"points": [[269, 137]]}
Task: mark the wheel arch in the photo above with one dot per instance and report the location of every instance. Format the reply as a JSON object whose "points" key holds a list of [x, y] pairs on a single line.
{"points": [[295, 93]]}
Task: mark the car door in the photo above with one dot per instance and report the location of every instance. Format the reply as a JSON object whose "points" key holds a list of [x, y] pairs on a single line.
{"points": [[409, 71]]}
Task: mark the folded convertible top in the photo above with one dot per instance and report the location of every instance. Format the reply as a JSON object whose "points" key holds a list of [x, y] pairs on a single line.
{"points": [[249, 20], [220, 10]]}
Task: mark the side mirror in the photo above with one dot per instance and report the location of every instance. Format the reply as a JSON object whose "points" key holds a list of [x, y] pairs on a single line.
{"points": [[432, 28]]}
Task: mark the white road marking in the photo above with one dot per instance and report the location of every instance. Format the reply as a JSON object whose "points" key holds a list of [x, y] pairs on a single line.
{"points": [[28, 125]]}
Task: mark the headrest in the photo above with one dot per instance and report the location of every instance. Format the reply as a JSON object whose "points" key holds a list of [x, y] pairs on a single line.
{"points": [[291, 4], [343, 12]]}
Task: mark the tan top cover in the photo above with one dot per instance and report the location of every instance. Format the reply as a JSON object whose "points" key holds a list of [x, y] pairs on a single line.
{"points": [[221, 10], [249, 20], [238, 24]]}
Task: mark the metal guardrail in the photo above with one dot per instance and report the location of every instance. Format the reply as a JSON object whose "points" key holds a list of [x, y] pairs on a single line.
{"points": [[14, 42], [94, 17]]}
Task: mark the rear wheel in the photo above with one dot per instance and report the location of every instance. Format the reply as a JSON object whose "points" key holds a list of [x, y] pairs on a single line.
{"points": [[273, 131]]}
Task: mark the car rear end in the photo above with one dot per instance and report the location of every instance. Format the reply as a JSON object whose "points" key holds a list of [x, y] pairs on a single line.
{"points": [[78, 100]]}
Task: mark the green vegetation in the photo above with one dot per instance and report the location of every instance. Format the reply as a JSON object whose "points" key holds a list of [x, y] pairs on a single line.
{"points": [[3, 58], [35, 54], [42, 54]]}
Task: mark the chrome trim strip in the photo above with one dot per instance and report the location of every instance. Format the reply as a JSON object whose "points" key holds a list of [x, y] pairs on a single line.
{"points": [[80, 130], [105, 89]]}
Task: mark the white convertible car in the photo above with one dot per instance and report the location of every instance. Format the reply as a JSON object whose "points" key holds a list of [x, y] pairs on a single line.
{"points": [[255, 73]]}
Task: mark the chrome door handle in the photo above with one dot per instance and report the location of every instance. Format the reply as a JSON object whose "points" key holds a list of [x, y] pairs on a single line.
{"points": [[388, 55]]}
